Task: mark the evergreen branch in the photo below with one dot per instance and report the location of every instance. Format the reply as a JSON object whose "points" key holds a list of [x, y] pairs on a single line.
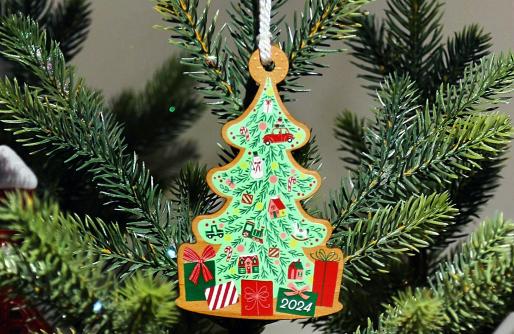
{"points": [[148, 122], [465, 48], [38, 10], [192, 197], [371, 48], [69, 26], [321, 22], [448, 144], [126, 252], [54, 268], [66, 116], [471, 291], [472, 193], [350, 132], [408, 42], [415, 32], [48, 248], [145, 305], [392, 232], [308, 156], [154, 117], [192, 32]]}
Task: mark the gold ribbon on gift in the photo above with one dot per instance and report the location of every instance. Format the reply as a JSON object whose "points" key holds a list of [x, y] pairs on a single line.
{"points": [[321, 255], [296, 292]]}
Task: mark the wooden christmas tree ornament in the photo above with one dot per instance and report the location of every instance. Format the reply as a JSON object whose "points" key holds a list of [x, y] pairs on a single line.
{"points": [[261, 256]]}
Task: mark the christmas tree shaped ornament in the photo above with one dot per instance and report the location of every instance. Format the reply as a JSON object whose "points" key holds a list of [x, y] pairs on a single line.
{"points": [[261, 256]]}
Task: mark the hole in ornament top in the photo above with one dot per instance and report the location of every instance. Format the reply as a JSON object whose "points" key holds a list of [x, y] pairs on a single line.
{"points": [[278, 70], [270, 67]]}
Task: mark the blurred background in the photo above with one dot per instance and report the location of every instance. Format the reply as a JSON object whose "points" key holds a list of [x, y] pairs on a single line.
{"points": [[123, 50]]}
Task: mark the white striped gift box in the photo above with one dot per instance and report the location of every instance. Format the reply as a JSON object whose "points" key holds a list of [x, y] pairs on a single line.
{"points": [[221, 295]]}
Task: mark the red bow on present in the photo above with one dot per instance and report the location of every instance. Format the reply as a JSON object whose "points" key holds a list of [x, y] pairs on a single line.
{"points": [[256, 297], [297, 292], [191, 256]]}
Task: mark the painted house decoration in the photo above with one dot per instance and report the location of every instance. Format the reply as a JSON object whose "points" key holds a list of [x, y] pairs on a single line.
{"points": [[295, 271], [248, 264], [276, 208]]}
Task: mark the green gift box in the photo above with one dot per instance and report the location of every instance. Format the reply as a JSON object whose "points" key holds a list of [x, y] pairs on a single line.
{"points": [[197, 291], [199, 274], [296, 301]]}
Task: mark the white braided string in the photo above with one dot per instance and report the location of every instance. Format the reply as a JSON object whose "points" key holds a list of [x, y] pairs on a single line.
{"points": [[264, 31]]}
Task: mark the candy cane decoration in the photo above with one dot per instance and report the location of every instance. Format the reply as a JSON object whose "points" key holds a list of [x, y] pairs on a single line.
{"points": [[290, 182], [245, 132], [228, 251]]}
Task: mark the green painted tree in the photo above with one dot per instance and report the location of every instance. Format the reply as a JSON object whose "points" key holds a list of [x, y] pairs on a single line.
{"points": [[263, 184]]}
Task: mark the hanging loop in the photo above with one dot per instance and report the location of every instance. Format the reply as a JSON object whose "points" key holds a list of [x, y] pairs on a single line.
{"points": [[279, 71], [264, 38]]}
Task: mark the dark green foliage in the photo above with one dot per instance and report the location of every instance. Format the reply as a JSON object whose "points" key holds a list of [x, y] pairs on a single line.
{"points": [[373, 243], [415, 150], [122, 179], [83, 296], [224, 73], [50, 241], [151, 129], [467, 294], [350, 131], [66, 22], [192, 197], [69, 25], [409, 42]]}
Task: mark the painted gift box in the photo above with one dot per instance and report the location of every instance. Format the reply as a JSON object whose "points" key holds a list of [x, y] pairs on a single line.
{"points": [[199, 272], [221, 295], [256, 298], [298, 301], [326, 268]]}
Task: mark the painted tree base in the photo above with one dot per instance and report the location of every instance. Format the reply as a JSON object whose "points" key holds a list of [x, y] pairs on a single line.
{"points": [[234, 311]]}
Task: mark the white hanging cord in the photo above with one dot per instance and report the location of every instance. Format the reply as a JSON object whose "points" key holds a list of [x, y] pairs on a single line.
{"points": [[264, 31]]}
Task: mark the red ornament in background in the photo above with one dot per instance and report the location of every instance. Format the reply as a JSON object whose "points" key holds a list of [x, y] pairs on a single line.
{"points": [[15, 316]]}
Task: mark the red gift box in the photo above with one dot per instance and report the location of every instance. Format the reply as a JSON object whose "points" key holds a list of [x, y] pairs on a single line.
{"points": [[256, 298], [326, 269]]}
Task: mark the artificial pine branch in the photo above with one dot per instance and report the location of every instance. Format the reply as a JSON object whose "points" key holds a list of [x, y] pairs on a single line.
{"points": [[69, 26], [309, 37], [467, 294], [392, 232], [48, 245], [154, 117], [193, 32], [224, 75], [244, 32], [408, 41], [350, 132], [192, 197], [448, 141], [64, 115], [466, 47], [83, 296], [145, 305]]}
